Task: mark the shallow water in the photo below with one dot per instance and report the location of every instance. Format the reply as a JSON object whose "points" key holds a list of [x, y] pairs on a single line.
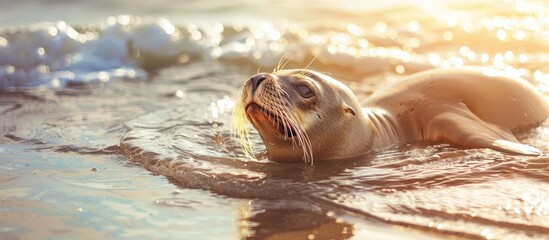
{"points": [[117, 127]]}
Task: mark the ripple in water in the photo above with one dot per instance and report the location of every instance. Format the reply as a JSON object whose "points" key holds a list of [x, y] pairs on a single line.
{"points": [[178, 126]]}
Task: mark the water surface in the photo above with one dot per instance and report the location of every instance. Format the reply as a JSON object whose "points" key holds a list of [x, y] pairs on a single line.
{"points": [[117, 126]]}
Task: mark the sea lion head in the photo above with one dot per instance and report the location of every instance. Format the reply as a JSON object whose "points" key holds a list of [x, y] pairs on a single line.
{"points": [[300, 115]]}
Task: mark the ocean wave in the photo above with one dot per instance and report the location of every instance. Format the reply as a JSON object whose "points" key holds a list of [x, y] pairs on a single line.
{"points": [[58, 55]]}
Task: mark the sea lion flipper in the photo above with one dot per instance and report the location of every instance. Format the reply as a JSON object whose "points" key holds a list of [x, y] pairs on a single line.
{"points": [[515, 147], [462, 127]]}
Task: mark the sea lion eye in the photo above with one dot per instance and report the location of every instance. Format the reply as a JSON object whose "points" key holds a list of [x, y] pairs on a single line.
{"points": [[305, 91]]}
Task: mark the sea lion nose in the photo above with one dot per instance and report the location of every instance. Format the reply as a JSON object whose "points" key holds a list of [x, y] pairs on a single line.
{"points": [[257, 79]]}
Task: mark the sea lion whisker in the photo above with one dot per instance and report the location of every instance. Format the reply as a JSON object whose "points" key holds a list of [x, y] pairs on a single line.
{"points": [[240, 126], [287, 126], [311, 62], [282, 117], [276, 117], [297, 133], [282, 62], [284, 95], [300, 138], [274, 102], [288, 60]]}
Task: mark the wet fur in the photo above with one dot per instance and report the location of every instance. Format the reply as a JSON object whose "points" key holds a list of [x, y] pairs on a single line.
{"points": [[455, 106], [275, 99]]}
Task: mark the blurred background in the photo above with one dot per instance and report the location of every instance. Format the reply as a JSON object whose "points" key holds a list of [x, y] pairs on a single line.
{"points": [[24, 12], [115, 115]]}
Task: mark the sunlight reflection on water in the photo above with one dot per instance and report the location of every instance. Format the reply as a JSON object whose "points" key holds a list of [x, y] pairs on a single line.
{"points": [[171, 114]]}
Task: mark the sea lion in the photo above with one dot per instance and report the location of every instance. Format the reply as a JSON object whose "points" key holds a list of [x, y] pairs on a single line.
{"points": [[303, 114]]}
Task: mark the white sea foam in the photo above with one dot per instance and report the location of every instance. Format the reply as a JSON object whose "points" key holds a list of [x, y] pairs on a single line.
{"points": [[55, 55]]}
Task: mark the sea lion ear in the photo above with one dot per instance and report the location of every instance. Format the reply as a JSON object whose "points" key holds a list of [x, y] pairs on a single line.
{"points": [[348, 109]]}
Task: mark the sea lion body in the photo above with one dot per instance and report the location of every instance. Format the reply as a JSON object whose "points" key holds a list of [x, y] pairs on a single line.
{"points": [[465, 107], [475, 108]]}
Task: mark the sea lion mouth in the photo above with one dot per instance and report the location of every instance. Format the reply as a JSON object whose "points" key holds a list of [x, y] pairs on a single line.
{"points": [[275, 120]]}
